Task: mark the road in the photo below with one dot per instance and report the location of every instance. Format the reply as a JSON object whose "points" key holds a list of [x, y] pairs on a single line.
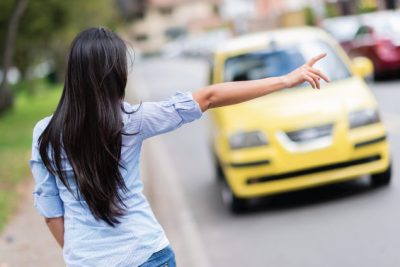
{"points": [[341, 225]]}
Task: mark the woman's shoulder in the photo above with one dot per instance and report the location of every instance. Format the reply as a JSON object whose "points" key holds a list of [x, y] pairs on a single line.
{"points": [[128, 107], [41, 125], [131, 115]]}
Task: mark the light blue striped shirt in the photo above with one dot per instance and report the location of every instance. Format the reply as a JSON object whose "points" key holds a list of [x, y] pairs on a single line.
{"points": [[87, 241]]}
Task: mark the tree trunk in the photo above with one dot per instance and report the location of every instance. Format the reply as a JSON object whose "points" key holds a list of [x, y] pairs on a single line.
{"points": [[6, 97]]}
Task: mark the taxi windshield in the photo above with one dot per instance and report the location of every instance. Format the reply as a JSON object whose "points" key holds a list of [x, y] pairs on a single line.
{"points": [[282, 60]]}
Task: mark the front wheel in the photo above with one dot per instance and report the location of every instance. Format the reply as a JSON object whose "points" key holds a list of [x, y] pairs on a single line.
{"points": [[218, 168], [382, 178], [234, 203]]}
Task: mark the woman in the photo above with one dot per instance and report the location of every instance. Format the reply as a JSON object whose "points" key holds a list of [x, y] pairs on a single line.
{"points": [[85, 157]]}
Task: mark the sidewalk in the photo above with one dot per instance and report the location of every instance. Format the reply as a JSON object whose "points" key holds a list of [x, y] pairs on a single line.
{"points": [[26, 240]]}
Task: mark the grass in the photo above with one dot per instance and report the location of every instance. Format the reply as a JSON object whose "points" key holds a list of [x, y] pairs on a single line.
{"points": [[16, 128]]}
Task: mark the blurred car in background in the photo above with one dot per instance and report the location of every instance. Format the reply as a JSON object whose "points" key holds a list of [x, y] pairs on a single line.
{"points": [[198, 46], [374, 35], [296, 138], [343, 29]]}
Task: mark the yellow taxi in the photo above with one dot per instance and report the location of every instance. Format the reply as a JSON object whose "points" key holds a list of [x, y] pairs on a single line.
{"points": [[301, 137]]}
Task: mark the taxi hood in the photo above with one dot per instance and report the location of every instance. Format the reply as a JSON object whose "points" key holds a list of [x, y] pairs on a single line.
{"points": [[299, 107]]}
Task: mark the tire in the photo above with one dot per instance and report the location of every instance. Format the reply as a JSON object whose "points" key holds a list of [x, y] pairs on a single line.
{"points": [[233, 203], [382, 76], [382, 178], [218, 169]]}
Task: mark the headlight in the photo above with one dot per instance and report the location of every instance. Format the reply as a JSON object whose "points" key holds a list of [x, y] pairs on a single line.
{"points": [[363, 117], [247, 139]]}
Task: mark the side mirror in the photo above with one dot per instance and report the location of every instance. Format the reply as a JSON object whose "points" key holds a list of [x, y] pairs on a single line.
{"points": [[362, 67]]}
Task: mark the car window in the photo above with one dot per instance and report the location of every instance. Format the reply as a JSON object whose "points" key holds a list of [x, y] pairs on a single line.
{"points": [[282, 60], [364, 30]]}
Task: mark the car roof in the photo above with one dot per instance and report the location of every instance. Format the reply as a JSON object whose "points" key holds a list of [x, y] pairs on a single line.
{"points": [[263, 39], [352, 23]]}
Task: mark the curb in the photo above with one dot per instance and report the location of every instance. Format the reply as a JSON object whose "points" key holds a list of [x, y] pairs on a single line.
{"points": [[164, 190], [168, 201]]}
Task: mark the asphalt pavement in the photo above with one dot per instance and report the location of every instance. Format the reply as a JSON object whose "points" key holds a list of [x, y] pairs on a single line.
{"points": [[344, 225]]}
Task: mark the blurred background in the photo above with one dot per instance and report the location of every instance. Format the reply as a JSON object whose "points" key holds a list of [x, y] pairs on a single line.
{"points": [[185, 45]]}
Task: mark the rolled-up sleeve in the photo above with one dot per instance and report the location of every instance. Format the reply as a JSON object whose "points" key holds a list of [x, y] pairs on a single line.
{"points": [[165, 116], [46, 194]]}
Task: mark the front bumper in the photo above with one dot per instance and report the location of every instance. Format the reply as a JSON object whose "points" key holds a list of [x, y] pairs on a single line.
{"points": [[249, 180]]}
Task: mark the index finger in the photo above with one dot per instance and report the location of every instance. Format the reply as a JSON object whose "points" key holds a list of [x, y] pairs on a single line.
{"points": [[315, 59]]}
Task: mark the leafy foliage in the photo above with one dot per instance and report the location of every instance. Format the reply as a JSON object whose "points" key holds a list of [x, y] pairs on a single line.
{"points": [[16, 139], [48, 26]]}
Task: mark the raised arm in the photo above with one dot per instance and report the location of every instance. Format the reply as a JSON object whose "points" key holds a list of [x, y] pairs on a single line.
{"points": [[230, 93]]}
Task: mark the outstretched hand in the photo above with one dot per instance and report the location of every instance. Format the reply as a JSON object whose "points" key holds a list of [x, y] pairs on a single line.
{"points": [[307, 73], [229, 93]]}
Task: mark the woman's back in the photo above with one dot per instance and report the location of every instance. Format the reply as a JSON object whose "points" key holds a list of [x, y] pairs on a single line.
{"points": [[87, 240]]}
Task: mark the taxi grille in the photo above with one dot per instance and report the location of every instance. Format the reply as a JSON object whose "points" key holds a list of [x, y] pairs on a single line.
{"points": [[309, 134], [329, 167]]}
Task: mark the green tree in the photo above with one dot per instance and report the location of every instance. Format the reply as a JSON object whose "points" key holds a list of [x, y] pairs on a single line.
{"points": [[9, 37], [48, 26]]}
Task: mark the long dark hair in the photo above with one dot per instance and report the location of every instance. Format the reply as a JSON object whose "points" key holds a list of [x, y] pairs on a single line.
{"points": [[87, 124]]}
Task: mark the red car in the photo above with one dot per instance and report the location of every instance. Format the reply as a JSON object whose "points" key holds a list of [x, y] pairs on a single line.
{"points": [[378, 38]]}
